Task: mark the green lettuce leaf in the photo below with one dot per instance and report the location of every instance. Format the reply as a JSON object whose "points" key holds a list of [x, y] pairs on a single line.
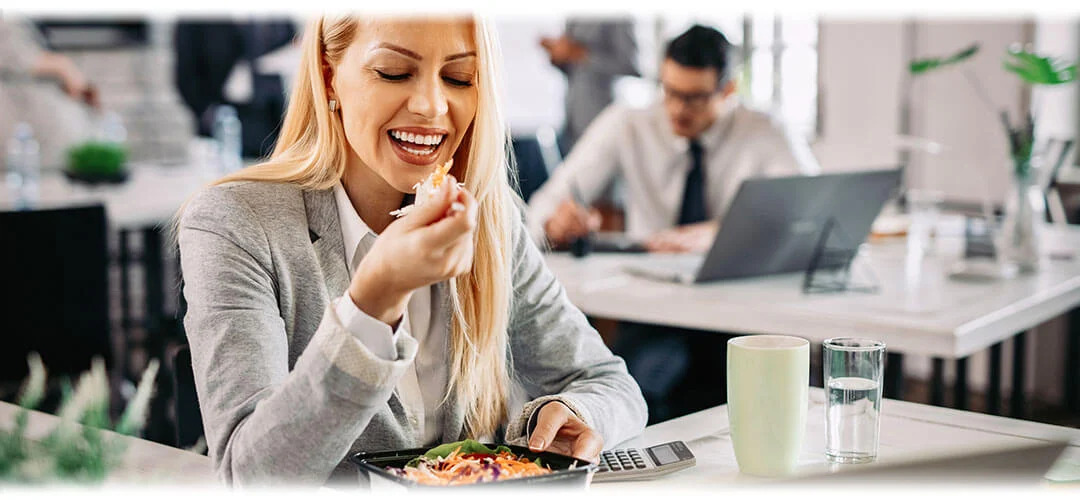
{"points": [[467, 446]]}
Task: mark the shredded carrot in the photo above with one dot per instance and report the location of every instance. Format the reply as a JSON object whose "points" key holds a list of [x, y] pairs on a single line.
{"points": [[456, 469]]}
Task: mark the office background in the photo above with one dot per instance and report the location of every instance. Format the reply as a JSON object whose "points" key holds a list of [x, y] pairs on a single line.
{"points": [[841, 82]]}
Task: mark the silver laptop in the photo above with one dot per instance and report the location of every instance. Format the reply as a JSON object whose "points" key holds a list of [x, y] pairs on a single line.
{"points": [[773, 226]]}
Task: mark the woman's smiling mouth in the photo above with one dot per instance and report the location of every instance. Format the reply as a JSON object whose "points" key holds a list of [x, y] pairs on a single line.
{"points": [[418, 146]]}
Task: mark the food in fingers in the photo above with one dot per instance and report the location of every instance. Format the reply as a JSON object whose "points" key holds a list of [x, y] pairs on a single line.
{"points": [[427, 189]]}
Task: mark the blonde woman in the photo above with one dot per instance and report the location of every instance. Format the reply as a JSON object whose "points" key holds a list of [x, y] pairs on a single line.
{"points": [[321, 326]]}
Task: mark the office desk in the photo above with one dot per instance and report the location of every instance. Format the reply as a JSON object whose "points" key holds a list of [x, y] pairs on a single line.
{"points": [[919, 310], [151, 195], [908, 431]]}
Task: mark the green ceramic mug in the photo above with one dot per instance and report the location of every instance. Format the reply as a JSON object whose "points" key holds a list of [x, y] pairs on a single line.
{"points": [[768, 378]]}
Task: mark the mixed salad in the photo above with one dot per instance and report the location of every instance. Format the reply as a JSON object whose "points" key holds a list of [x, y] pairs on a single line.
{"points": [[468, 462]]}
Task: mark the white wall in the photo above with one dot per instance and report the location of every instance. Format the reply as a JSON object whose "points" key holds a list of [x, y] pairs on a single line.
{"points": [[945, 108], [858, 94], [534, 88]]}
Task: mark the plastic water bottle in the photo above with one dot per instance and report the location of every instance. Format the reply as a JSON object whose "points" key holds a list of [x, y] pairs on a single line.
{"points": [[111, 128], [228, 139], [23, 165]]}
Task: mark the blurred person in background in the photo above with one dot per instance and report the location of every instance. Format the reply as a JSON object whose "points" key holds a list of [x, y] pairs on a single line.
{"points": [[223, 62], [592, 53], [44, 89], [682, 161], [321, 326]]}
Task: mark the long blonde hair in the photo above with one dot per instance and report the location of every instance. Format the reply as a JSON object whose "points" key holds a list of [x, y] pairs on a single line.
{"points": [[311, 151]]}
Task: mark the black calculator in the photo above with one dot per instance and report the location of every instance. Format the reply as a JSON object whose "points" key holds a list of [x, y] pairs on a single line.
{"points": [[631, 464]]}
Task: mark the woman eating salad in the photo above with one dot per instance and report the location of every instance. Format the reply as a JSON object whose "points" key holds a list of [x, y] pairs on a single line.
{"points": [[371, 286]]}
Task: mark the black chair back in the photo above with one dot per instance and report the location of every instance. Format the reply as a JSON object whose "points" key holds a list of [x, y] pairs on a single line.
{"points": [[189, 427], [55, 290]]}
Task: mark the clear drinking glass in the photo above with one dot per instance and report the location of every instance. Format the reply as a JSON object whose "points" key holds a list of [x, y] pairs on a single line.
{"points": [[853, 372], [924, 209]]}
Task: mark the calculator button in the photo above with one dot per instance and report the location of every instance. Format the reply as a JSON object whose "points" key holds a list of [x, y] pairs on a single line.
{"points": [[616, 467]]}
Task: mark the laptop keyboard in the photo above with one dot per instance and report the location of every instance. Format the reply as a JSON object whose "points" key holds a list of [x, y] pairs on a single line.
{"points": [[668, 268]]}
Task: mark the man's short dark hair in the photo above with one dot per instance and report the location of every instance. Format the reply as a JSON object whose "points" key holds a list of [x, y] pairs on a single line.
{"points": [[702, 47]]}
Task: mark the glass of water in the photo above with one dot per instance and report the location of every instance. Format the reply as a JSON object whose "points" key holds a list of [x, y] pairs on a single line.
{"points": [[853, 370]]}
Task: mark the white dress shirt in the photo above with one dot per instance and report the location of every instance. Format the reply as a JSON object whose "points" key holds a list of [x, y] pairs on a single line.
{"points": [[423, 387], [639, 146]]}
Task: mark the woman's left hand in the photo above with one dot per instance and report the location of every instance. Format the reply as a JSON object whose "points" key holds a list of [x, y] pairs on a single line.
{"points": [[558, 430]]}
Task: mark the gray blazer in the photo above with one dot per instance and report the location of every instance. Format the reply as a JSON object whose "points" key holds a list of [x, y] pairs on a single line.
{"points": [[287, 393]]}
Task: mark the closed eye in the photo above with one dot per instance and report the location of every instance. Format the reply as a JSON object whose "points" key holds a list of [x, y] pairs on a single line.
{"points": [[392, 76], [456, 82]]}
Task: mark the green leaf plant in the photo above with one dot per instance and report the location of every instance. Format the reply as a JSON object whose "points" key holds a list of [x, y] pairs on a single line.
{"points": [[1031, 68], [82, 453]]}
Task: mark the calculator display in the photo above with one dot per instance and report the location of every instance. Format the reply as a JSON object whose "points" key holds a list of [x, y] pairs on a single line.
{"points": [[663, 454]]}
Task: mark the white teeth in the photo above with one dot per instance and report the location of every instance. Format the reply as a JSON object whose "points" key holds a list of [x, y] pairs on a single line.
{"points": [[417, 151], [418, 139]]}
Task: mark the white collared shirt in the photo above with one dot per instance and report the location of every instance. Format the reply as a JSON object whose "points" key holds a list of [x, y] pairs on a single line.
{"points": [[423, 386], [639, 147]]}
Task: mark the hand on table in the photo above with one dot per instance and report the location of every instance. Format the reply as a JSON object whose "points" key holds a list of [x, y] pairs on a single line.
{"points": [[570, 221], [558, 430], [691, 238]]}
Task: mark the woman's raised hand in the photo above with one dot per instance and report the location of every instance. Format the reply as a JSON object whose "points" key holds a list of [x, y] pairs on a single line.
{"points": [[432, 243]]}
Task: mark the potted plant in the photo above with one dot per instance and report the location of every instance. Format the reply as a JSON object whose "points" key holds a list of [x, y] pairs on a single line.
{"points": [[72, 453], [96, 162], [103, 158], [1018, 242]]}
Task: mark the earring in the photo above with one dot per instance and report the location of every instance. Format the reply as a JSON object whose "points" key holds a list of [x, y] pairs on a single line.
{"points": [[333, 105]]}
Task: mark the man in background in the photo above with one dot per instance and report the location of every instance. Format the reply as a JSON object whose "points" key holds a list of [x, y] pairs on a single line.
{"points": [[592, 54], [681, 161], [219, 63]]}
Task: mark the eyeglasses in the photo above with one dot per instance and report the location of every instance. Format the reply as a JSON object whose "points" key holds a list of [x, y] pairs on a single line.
{"points": [[690, 99]]}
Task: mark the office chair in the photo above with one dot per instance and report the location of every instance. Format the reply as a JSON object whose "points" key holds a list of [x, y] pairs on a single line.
{"points": [[1057, 151], [55, 292], [189, 427], [536, 155]]}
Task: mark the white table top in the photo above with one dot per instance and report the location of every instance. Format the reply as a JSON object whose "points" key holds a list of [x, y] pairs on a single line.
{"points": [[929, 315], [151, 195], [909, 431]]}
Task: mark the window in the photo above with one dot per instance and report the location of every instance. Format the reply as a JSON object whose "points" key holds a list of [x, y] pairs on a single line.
{"points": [[779, 62]]}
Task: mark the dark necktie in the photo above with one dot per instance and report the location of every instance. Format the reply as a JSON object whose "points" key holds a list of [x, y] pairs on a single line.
{"points": [[693, 202]]}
